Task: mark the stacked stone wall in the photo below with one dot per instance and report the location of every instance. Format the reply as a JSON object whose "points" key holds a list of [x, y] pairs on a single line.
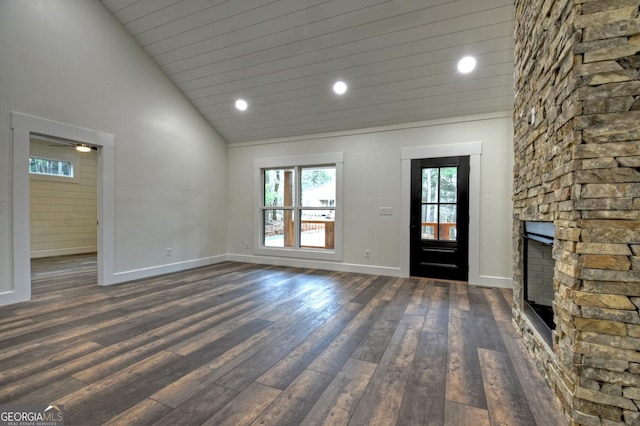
{"points": [[544, 112], [577, 162]]}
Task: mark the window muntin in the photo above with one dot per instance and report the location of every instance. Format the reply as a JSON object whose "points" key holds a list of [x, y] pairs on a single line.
{"points": [[299, 207], [50, 167]]}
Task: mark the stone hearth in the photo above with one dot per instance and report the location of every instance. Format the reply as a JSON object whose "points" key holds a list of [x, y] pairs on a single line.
{"points": [[577, 162]]}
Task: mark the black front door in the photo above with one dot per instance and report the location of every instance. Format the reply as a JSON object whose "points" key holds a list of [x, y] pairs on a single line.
{"points": [[440, 218]]}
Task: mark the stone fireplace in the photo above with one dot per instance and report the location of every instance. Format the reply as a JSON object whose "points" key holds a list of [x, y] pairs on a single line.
{"points": [[577, 162]]}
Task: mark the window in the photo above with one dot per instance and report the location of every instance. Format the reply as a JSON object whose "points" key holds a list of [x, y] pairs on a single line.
{"points": [[49, 167], [299, 206], [304, 193], [439, 203]]}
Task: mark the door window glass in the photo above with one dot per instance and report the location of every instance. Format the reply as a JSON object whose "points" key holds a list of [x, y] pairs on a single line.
{"points": [[439, 208]]}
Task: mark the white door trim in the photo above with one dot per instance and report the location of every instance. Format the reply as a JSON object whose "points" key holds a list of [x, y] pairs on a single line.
{"points": [[23, 126]]}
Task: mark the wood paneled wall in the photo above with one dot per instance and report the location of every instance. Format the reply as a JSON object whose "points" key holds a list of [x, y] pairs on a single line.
{"points": [[64, 212]]}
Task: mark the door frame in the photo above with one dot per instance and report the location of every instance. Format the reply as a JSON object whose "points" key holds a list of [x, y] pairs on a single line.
{"points": [[474, 151], [457, 249], [23, 126]]}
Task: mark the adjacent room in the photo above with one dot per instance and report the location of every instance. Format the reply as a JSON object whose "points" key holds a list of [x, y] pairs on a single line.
{"points": [[294, 212]]}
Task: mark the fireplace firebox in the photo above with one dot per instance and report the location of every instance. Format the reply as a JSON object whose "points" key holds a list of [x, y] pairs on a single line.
{"points": [[538, 266]]}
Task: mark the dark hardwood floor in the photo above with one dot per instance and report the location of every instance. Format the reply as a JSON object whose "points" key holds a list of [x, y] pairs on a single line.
{"points": [[244, 344]]}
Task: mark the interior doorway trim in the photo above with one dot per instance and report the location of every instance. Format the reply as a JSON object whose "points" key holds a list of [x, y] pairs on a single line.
{"points": [[23, 126], [473, 150]]}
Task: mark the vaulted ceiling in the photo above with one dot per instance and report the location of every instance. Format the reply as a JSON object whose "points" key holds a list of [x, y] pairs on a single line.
{"points": [[398, 58]]}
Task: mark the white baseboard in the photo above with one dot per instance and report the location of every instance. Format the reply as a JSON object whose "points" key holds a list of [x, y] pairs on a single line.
{"points": [[317, 264], [11, 297], [136, 274], [63, 252], [481, 281], [487, 281]]}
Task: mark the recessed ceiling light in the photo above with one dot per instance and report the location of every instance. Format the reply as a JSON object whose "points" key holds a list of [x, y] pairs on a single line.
{"points": [[340, 87], [466, 64], [241, 105]]}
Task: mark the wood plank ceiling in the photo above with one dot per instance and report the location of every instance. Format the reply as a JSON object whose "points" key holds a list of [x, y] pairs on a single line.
{"points": [[398, 58]]}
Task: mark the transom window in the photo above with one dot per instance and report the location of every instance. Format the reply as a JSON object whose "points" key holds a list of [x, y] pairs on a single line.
{"points": [[50, 167], [299, 211]]}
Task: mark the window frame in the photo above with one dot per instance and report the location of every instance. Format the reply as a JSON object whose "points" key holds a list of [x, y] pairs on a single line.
{"points": [[297, 162], [40, 157]]}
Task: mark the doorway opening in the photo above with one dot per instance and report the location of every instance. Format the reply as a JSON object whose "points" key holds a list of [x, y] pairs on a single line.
{"points": [[63, 206], [24, 128]]}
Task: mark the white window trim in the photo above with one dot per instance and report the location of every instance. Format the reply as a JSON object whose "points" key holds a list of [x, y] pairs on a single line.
{"points": [[305, 160]]}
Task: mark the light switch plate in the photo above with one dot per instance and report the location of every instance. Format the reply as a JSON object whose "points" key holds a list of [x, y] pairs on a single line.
{"points": [[386, 211]]}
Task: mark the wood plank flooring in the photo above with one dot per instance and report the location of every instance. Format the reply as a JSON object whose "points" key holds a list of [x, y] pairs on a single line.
{"points": [[244, 344]]}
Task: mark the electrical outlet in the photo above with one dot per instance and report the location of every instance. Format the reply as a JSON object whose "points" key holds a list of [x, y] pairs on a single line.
{"points": [[367, 254], [386, 211], [246, 245], [168, 251]]}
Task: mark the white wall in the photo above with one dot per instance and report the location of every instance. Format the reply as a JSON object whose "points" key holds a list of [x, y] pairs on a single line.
{"points": [[64, 211], [71, 62], [372, 179]]}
